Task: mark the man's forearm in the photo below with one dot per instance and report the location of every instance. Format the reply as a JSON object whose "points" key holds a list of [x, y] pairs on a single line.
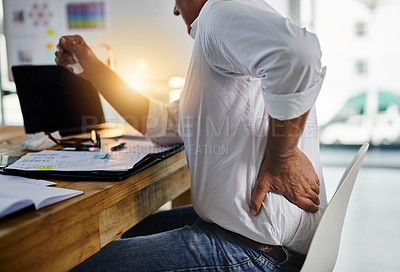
{"points": [[130, 104], [283, 136], [286, 170]]}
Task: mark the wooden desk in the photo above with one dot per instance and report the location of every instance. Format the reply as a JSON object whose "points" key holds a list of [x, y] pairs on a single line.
{"points": [[59, 237]]}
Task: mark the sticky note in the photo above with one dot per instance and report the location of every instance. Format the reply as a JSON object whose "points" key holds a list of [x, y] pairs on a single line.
{"points": [[101, 156], [44, 167], [49, 46], [50, 32]]}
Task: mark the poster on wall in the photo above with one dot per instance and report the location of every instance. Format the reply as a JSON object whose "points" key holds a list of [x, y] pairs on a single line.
{"points": [[33, 27], [88, 15], [31, 31], [30, 16]]}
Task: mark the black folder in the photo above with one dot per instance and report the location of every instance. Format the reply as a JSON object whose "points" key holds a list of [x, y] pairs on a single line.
{"points": [[146, 162]]}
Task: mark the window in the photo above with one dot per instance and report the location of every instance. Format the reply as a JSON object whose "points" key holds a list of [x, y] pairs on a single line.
{"points": [[361, 67], [360, 29]]}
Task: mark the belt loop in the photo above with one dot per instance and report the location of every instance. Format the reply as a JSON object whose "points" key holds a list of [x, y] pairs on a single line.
{"points": [[288, 255]]}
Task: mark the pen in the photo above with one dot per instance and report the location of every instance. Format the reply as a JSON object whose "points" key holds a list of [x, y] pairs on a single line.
{"points": [[118, 147]]}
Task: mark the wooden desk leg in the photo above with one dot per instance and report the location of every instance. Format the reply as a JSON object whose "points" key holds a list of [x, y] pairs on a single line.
{"points": [[182, 200]]}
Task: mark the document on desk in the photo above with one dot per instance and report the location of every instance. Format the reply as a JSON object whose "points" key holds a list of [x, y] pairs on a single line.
{"points": [[77, 161], [55, 160], [112, 163], [17, 193]]}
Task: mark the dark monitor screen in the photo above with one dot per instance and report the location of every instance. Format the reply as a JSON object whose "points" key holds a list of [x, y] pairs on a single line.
{"points": [[52, 99]]}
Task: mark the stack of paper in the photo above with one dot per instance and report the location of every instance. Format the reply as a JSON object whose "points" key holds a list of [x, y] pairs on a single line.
{"points": [[17, 193], [117, 159], [57, 160], [77, 161]]}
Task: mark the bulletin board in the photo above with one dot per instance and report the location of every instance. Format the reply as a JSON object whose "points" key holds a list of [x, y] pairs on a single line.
{"points": [[32, 27]]}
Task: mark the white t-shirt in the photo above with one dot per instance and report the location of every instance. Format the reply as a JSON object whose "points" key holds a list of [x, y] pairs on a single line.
{"points": [[248, 62]]}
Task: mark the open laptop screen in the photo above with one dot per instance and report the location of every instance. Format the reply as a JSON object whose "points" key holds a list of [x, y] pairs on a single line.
{"points": [[52, 99]]}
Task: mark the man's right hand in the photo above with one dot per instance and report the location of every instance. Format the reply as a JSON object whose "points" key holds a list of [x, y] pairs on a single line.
{"points": [[69, 45]]}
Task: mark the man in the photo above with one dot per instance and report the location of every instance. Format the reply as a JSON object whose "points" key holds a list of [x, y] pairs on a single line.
{"points": [[247, 120]]}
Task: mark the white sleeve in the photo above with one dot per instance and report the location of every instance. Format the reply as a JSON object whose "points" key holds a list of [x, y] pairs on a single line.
{"points": [[162, 122], [240, 39]]}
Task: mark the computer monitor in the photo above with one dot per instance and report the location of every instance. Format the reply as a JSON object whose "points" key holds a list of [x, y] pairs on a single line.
{"points": [[53, 99]]}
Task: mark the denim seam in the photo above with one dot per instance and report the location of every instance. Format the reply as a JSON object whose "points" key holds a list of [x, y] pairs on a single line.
{"points": [[260, 258], [268, 262], [265, 260]]}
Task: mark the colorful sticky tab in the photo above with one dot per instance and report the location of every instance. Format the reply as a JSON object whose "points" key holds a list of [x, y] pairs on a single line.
{"points": [[101, 156], [44, 167], [50, 32]]}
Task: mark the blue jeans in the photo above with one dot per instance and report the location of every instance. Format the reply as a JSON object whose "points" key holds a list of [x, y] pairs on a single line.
{"points": [[178, 240]]}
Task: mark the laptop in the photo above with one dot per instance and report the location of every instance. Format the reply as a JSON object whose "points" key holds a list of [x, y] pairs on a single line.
{"points": [[53, 99]]}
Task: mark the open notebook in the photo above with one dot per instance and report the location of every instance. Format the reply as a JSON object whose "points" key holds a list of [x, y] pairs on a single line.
{"points": [[17, 193]]}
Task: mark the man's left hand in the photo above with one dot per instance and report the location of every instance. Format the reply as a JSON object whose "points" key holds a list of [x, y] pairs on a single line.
{"points": [[292, 176]]}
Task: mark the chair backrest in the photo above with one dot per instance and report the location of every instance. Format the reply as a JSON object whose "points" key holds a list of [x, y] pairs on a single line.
{"points": [[324, 246]]}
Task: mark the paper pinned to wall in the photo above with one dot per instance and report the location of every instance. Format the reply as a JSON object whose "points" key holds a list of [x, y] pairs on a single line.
{"points": [[33, 27]]}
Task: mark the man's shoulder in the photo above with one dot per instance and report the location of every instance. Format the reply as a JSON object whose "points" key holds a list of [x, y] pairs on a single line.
{"points": [[229, 11], [237, 5]]}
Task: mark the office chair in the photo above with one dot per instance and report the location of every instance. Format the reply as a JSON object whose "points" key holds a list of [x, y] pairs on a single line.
{"points": [[324, 246]]}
